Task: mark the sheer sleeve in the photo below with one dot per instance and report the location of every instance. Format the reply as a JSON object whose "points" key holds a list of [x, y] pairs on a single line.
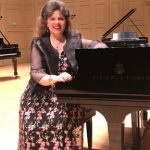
{"points": [[37, 69]]}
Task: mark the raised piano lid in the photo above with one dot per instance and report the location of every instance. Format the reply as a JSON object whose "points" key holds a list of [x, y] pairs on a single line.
{"points": [[132, 39], [118, 23]]}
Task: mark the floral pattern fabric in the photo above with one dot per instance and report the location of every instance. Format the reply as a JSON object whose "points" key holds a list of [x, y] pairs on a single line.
{"points": [[44, 124]]}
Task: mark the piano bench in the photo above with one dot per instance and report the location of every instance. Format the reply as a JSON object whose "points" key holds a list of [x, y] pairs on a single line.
{"points": [[88, 121]]}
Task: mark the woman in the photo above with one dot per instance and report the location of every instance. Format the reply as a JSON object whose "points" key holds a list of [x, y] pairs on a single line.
{"points": [[44, 123]]}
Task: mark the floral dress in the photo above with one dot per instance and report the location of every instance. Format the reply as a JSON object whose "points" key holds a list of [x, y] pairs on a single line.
{"points": [[44, 124]]}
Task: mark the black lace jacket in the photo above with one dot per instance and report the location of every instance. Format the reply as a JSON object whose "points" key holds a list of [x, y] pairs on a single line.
{"points": [[44, 58]]}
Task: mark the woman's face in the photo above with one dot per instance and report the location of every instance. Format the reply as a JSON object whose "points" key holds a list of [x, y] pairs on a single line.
{"points": [[56, 23]]}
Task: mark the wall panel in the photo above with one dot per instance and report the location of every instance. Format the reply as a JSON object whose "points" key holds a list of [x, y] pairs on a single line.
{"points": [[14, 17], [115, 14], [138, 18], [1, 26], [146, 17], [100, 19]]}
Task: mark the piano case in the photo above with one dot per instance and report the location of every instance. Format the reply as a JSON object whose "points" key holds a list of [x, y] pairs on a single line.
{"points": [[114, 70], [125, 70]]}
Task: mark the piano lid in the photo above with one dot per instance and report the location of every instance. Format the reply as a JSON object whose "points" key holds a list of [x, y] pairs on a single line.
{"points": [[125, 39], [118, 23]]}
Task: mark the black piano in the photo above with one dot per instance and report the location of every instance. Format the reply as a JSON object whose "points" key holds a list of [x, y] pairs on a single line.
{"points": [[114, 81], [9, 51], [113, 70]]}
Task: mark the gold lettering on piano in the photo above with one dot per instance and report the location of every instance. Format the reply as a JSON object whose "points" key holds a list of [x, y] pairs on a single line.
{"points": [[121, 77]]}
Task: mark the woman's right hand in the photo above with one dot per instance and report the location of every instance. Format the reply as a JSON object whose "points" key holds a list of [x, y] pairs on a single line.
{"points": [[53, 79], [64, 77]]}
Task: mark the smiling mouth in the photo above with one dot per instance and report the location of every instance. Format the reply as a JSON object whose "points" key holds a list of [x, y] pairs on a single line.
{"points": [[57, 27]]}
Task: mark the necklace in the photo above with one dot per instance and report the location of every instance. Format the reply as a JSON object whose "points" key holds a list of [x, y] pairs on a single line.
{"points": [[58, 45]]}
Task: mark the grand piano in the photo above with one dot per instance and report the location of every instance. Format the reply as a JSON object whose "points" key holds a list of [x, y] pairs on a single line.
{"points": [[9, 51], [114, 81]]}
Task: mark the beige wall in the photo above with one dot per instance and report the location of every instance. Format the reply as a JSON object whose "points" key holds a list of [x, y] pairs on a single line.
{"points": [[93, 19], [17, 25]]}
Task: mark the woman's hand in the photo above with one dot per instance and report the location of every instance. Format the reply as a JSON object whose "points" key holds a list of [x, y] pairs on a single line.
{"points": [[64, 77], [53, 79]]}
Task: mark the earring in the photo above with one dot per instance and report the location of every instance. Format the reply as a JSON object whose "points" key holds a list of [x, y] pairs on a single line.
{"points": [[47, 30]]}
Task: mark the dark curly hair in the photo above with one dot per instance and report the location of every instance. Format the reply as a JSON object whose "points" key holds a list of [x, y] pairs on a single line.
{"points": [[47, 11]]}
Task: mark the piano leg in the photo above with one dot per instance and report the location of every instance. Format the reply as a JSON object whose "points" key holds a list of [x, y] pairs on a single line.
{"points": [[135, 116], [14, 61], [89, 133], [115, 124], [88, 120], [116, 136], [144, 118], [114, 116]]}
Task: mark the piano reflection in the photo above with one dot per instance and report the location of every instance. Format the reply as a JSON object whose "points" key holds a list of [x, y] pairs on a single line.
{"points": [[115, 82], [9, 51]]}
